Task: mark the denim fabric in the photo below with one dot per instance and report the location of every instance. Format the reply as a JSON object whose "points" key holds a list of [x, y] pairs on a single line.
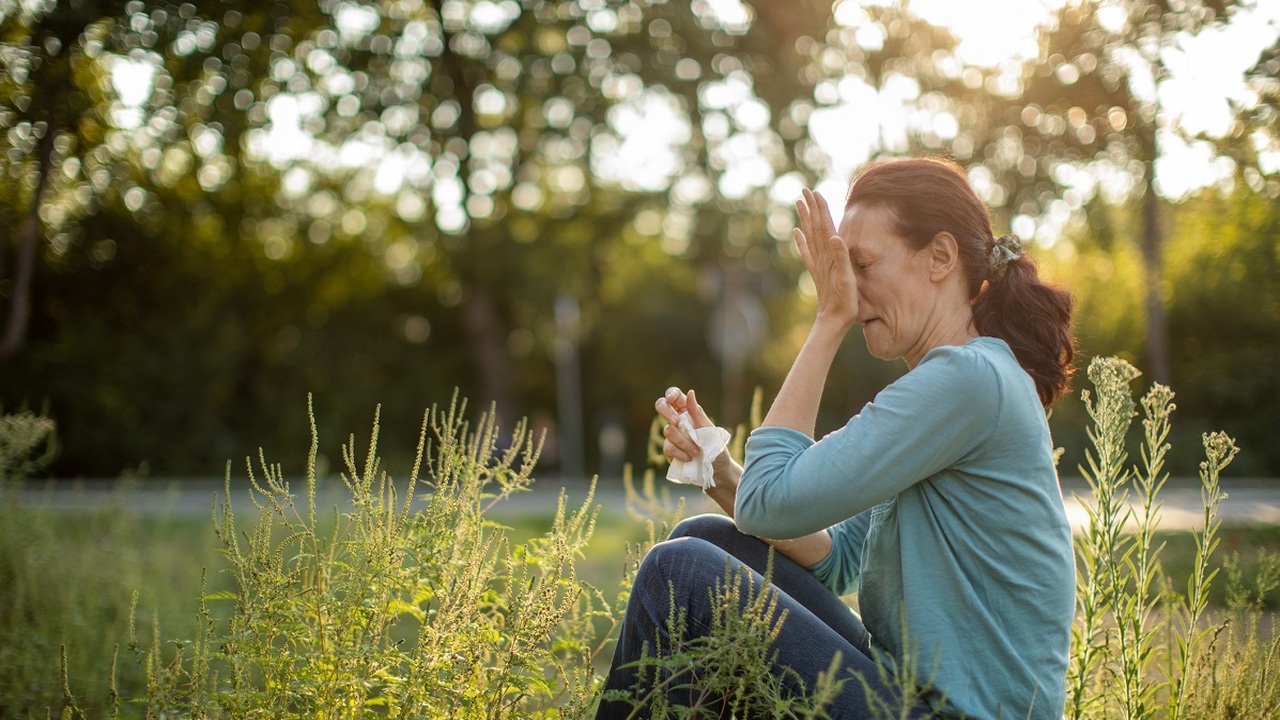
{"points": [[818, 623]]}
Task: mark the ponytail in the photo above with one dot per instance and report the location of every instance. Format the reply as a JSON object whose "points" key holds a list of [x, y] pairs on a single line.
{"points": [[1034, 318]]}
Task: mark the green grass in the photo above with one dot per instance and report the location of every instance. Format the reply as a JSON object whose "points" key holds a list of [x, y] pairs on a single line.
{"points": [[451, 610], [67, 578]]}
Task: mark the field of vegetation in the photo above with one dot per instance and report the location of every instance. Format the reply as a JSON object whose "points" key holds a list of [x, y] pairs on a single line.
{"points": [[297, 610]]}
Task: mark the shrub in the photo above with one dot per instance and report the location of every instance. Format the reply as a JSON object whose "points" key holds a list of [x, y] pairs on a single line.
{"points": [[430, 613]]}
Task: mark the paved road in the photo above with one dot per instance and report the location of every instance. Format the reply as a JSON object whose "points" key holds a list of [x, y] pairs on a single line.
{"points": [[1248, 502]]}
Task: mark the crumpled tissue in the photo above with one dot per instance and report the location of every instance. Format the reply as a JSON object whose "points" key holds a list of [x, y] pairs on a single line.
{"points": [[712, 440]]}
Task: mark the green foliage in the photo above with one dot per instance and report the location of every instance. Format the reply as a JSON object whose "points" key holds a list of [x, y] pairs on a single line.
{"points": [[21, 435], [1222, 287], [430, 613], [1224, 309], [189, 273], [728, 668], [1143, 648]]}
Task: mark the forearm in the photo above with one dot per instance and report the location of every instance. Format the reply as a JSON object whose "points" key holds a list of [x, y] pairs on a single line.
{"points": [[796, 406], [727, 473], [805, 551]]}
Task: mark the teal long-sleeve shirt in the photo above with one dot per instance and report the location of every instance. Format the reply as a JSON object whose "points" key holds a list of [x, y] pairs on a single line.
{"points": [[945, 515]]}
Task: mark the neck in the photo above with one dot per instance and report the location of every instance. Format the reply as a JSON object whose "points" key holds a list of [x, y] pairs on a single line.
{"points": [[952, 327]]}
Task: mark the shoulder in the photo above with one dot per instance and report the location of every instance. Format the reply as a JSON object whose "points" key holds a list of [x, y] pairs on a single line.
{"points": [[974, 369], [949, 382]]}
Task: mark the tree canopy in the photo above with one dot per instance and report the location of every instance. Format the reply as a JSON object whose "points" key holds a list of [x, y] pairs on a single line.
{"points": [[561, 207]]}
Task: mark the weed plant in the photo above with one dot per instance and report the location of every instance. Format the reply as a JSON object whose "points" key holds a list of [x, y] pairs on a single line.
{"points": [[416, 603], [1143, 648], [395, 612]]}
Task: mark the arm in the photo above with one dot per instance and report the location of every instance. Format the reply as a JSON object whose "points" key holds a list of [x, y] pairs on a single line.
{"points": [[930, 419], [805, 551], [827, 260]]}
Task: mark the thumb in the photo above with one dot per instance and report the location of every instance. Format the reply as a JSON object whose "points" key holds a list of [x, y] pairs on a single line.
{"points": [[696, 413]]}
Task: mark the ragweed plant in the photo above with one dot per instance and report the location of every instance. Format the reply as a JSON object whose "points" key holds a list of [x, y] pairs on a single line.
{"points": [[1119, 665], [395, 610], [726, 671], [21, 436]]}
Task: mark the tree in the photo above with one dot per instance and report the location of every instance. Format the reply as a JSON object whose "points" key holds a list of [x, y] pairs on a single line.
{"points": [[41, 108], [1224, 259], [1086, 113]]}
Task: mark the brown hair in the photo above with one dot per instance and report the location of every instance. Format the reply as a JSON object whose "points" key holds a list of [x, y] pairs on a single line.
{"points": [[928, 196]]}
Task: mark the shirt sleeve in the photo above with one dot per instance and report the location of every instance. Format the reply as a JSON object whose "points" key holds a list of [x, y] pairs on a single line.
{"points": [[929, 419], [839, 570]]}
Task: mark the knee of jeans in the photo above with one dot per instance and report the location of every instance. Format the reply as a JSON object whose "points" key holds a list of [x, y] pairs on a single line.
{"points": [[707, 527], [679, 557]]}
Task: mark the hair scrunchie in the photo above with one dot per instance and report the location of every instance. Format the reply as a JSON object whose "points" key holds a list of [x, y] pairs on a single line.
{"points": [[1005, 249]]}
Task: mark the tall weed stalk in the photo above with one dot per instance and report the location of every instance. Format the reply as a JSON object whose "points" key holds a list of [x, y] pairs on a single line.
{"points": [[725, 672], [395, 610], [1120, 666]]}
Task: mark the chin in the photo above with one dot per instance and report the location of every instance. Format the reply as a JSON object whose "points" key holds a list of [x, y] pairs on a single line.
{"points": [[876, 348], [881, 354]]}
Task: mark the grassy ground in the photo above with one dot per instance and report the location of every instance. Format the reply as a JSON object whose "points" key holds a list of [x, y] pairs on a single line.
{"points": [[68, 579]]}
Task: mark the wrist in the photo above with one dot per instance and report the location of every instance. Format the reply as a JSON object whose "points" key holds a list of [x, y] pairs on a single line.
{"points": [[836, 323], [727, 473]]}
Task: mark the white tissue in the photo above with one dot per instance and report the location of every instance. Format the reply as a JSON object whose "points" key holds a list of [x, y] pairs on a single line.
{"points": [[711, 440]]}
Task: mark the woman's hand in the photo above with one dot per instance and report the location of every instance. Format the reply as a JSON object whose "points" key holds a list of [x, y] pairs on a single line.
{"points": [[677, 445], [827, 259]]}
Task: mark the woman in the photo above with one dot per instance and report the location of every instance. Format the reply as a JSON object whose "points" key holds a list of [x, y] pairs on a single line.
{"points": [[938, 502]]}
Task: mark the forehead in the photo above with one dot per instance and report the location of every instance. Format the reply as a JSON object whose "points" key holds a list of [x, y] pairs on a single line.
{"points": [[869, 228]]}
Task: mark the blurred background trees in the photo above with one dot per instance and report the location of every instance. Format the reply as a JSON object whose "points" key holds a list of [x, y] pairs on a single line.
{"points": [[211, 209]]}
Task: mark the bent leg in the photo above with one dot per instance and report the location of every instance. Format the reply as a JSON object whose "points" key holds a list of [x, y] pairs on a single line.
{"points": [[680, 575], [789, 576]]}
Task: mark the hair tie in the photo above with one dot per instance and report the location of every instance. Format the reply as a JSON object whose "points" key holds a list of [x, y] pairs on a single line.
{"points": [[1005, 249]]}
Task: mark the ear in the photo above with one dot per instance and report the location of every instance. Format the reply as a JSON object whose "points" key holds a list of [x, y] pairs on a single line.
{"points": [[944, 256]]}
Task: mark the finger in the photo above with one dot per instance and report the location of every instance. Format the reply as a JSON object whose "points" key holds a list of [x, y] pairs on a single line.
{"points": [[819, 216], [802, 247], [700, 417], [676, 398], [823, 212], [668, 413], [674, 452], [806, 217], [676, 438]]}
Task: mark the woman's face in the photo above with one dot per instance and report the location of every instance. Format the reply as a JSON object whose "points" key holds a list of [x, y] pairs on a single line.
{"points": [[895, 296]]}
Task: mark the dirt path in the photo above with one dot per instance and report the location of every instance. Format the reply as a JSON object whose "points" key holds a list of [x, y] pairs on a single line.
{"points": [[1249, 502]]}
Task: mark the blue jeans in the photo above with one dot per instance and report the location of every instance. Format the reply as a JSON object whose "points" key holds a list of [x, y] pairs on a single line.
{"points": [[818, 624]]}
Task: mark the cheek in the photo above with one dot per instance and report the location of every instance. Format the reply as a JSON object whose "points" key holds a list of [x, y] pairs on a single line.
{"points": [[872, 293]]}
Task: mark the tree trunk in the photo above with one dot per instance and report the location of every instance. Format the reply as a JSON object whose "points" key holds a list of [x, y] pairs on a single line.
{"points": [[28, 241], [486, 333], [486, 330], [1152, 260]]}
